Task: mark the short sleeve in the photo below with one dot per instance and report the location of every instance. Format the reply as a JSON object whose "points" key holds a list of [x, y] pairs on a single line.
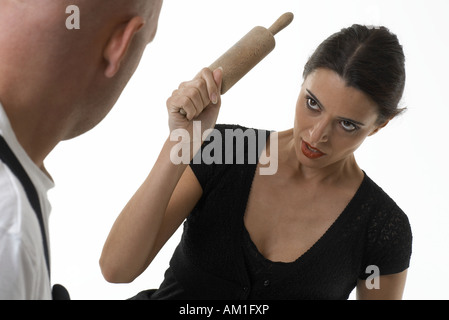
{"points": [[207, 160], [225, 146], [389, 242], [202, 172]]}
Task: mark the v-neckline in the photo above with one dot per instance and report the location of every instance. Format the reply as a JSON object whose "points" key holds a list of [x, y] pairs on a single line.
{"points": [[322, 238]]}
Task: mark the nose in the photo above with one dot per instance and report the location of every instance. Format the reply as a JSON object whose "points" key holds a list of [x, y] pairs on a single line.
{"points": [[319, 132]]}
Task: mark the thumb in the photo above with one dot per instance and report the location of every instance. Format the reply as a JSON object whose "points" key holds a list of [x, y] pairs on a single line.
{"points": [[218, 77]]}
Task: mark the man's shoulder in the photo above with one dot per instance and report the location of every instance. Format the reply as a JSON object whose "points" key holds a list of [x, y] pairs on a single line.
{"points": [[10, 198], [16, 215]]}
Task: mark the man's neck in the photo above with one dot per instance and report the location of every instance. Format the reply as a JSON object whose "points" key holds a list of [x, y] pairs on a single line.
{"points": [[34, 129]]}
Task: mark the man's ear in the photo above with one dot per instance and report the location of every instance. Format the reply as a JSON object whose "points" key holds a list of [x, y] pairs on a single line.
{"points": [[379, 127], [119, 43]]}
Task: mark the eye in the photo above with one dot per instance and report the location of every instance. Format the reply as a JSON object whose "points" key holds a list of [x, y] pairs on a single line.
{"points": [[312, 104], [348, 126]]}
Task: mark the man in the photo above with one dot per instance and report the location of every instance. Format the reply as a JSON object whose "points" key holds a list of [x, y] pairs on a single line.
{"points": [[55, 84]]}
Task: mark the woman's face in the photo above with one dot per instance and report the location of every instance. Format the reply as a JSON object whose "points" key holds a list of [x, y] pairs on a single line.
{"points": [[332, 119]]}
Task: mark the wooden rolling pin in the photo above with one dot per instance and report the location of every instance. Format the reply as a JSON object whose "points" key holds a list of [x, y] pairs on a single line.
{"points": [[248, 52]]}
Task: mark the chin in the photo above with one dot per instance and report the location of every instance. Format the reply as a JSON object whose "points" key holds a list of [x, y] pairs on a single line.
{"points": [[75, 134], [81, 129]]}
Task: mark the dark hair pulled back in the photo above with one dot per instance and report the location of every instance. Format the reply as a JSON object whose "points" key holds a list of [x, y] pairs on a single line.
{"points": [[369, 59]]}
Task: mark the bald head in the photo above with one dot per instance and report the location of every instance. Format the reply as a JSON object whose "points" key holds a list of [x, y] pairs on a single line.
{"points": [[75, 74], [104, 11]]}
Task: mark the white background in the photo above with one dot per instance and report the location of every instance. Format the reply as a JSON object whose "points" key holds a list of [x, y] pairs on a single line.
{"points": [[97, 173]]}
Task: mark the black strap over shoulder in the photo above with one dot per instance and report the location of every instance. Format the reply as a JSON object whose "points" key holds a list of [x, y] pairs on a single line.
{"points": [[10, 159]]}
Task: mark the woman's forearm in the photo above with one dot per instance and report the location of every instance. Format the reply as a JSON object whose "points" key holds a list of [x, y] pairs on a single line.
{"points": [[145, 223], [133, 235]]}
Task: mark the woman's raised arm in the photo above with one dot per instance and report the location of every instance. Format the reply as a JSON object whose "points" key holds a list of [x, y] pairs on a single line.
{"points": [[170, 191]]}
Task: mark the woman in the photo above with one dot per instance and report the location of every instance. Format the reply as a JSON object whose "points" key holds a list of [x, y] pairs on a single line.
{"points": [[315, 229]]}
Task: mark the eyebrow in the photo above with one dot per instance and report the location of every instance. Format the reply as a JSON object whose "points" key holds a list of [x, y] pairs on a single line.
{"points": [[340, 118]]}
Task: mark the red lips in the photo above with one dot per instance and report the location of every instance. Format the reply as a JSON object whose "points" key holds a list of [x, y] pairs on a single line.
{"points": [[310, 152]]}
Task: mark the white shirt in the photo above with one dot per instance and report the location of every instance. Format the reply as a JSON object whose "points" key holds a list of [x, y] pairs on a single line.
{"points": [[23, 269]]}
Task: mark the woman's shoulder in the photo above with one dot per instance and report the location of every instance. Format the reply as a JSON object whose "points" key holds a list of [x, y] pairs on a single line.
{"points": [[225, 146], [387, 219], [389, 234], [236, 144], [224, 128], [376, 195]]}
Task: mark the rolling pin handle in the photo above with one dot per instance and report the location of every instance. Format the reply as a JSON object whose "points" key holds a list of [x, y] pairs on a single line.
{"points": [[281, 23]]}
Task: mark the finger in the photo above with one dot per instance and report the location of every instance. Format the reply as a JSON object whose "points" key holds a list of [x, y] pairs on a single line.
{"points": [[195, 100], [212, 86], [218, 77], [188, 107], [199, 84], [183, 105], [196, 90], [194, 94]]}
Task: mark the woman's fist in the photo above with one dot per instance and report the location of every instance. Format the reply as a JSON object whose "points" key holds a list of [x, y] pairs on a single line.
{"points": [[198, 99]]}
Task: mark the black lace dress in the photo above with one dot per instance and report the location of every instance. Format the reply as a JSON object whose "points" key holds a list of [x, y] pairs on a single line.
{"points": [[216, 258]]}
